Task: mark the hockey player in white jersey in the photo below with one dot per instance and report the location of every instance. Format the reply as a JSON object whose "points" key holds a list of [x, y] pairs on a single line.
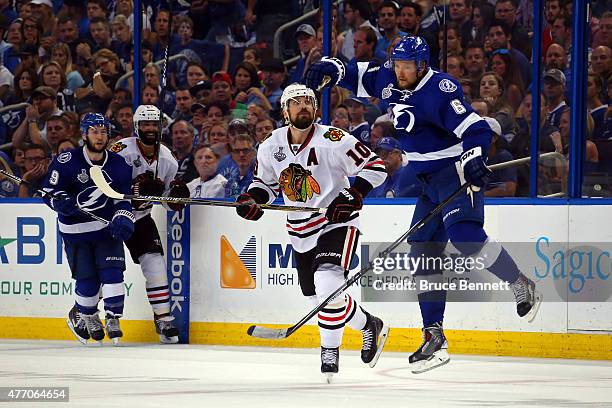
{"points": [[310, 164], [145, 244]]}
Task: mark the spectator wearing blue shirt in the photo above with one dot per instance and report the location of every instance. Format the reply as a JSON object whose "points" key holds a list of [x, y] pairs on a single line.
{"points": [[554, 95], [239, 170], [358, 127], [388, 16], [306, 37], [390, 151]]}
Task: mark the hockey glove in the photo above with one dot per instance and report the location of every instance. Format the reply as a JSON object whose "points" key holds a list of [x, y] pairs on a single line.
{"points": [[65, 205], [248, 208], [475, 171], [180, 190], [315, 76], [348, 201], [122, 225], [145, 185]]}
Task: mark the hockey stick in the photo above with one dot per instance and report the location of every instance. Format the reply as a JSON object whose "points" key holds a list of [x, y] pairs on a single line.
{"points": [[98, 178], [162, 94], [268, 333], [55, 197], [276, 334]]}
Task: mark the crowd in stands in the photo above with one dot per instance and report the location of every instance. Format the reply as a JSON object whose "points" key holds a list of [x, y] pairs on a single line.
{"points": [[60, 59]]}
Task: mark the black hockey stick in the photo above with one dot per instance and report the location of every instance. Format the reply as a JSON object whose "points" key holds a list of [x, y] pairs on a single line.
{"points": [[98, 178], [55, 197], [162, 94], [268, 333]]}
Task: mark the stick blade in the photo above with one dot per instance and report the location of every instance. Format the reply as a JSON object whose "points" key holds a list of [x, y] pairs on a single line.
{"points": [[267, 333], [97, 176]]}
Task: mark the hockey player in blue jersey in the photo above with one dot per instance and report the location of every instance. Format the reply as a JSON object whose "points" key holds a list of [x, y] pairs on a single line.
{"points": [[446, 143], [94, 250]]}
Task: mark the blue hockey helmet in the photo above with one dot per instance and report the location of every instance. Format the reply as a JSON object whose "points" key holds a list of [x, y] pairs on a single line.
{"points": [[93, 120], [411, 49]]}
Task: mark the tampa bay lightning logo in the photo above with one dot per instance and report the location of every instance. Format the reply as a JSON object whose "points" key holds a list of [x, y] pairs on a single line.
{"points": [[446, 85], [91, 198], [403, 119]]}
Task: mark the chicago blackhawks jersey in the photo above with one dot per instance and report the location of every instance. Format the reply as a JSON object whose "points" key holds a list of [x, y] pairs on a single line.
{"points": [[143, 168], [313, 174]]}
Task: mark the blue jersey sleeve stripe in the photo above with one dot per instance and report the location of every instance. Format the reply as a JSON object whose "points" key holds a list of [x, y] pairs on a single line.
{"points": [[466, 123]]}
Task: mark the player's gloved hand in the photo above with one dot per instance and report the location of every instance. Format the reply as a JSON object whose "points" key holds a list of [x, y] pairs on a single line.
{"points": [[145, 185], [248, 208], [180, 190], [121, 226], [65, 205], [475, 170], [348, 201], [316, 74]]}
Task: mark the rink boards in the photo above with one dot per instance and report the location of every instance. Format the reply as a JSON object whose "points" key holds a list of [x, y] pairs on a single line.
{"points": [[227, 273]]}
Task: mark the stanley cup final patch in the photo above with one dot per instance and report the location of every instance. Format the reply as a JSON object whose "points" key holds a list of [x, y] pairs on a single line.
{"points": [[279, 155]]}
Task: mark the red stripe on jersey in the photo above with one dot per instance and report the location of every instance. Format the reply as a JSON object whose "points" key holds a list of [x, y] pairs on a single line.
{"points": [[375, 162], [309, 225], [341, 317]]}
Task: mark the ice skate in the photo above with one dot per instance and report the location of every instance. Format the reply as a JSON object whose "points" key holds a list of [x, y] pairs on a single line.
{"points": [[94, 326], [113, 331], [528, 298], [375, 335], [432, 353], [330, 360], [77, 325], [165, 328]]}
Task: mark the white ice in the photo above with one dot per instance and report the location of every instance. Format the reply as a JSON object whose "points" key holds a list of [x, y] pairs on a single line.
{"points": [[145, 375]]}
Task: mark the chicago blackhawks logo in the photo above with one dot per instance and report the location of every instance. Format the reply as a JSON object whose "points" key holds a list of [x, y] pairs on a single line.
{"points": [[298, 184], [334, 134], [117, 147]]}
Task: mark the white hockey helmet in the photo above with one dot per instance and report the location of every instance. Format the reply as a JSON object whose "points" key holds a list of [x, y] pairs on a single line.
{"points": [[293, 91], [145, 113]]}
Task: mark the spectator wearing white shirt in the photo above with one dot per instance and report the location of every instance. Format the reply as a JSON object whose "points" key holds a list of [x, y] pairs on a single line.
{"points": [[209, 184]]}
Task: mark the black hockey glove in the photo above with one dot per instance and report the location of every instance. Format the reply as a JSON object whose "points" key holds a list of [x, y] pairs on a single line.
{"points": [[144, 185], [348, 201], [248, 208], [331, 68], [180, 190], [475, 170]]}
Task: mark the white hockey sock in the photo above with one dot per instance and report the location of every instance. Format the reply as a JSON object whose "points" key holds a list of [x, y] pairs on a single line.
{"points": [[332, 318], [154, 270]]}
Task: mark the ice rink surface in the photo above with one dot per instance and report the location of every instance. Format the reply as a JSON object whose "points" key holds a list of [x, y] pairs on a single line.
{"points": [[145, 375]]}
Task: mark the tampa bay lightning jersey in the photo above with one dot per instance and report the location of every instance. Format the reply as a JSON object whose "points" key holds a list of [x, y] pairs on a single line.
{"points": [[433, 122], [69, 173]]}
